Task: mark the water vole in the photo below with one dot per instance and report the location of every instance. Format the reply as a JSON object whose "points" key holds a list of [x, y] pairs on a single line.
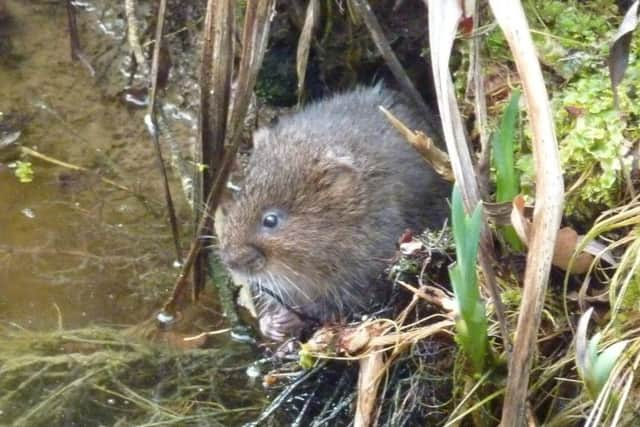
{"points": [[328, 192]]}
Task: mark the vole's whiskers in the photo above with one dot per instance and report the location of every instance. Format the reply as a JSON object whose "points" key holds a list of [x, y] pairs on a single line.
{"points": [[293, 283]]}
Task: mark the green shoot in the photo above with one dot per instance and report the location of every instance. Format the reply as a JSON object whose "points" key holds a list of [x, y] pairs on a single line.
{"points": [[507, 180], [594, 368], [471, 325]]}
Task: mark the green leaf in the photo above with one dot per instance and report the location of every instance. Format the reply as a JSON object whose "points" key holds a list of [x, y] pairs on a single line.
{"points": [[471, 325], [503, 142], [507, 179], [457, 219], [604, 364]]}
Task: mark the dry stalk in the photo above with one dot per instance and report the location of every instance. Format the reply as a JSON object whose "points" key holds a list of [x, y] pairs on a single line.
{"points": [[370, 375], [548, 210], [304, 43], [431, 154], [153, 125], [215, 93], [132, 34]]}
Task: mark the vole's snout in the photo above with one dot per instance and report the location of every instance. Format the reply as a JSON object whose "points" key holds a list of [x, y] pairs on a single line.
{"points": [[247, 259]]}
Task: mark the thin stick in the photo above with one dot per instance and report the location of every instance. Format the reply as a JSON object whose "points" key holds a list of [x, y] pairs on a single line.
{"points": [[74, 38], [480, 106], [548, 210], [155, 130], [49, 159]]}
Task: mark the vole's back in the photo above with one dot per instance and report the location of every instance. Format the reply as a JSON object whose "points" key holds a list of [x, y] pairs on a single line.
{"points": [[328, 193], [352, 123]]}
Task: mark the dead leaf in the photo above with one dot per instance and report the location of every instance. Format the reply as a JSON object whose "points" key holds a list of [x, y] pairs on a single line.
{"points": [[520, 223], [431, 154], [410, 248], [566, 244], [406, 237], [574, 111], [567, 241], [466, 24]]}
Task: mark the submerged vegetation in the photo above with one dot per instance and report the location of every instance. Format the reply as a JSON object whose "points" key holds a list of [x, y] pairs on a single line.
{"points": [[442, 352], [101, 376]]}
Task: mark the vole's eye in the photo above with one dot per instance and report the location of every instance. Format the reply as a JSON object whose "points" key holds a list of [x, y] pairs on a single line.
{"points": [[270, 220]]}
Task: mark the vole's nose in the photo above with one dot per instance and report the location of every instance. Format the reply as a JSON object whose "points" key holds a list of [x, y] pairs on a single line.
{"points": [[248, 258]]}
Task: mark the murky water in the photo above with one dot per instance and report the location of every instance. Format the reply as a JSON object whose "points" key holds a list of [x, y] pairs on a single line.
{"points": [[72, 248]]}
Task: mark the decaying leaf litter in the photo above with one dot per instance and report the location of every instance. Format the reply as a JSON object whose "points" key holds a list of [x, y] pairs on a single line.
{"points": [[410, 368]]}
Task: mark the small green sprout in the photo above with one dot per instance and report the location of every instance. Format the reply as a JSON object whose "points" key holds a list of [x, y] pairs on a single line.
{"points": [[594, 368], [24, 171], [507, 179], [305, 357], [471, 325]]}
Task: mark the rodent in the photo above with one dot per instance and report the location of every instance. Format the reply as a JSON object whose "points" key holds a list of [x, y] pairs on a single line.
{"points": [[328, 192]]}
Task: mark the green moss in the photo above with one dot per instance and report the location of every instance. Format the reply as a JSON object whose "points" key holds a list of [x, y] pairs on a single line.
{"points": [[573, 40]]}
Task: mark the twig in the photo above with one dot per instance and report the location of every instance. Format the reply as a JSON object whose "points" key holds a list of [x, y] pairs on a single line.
{"points": [[480, 106], [153, 128], [548, 210], [33, 153], [74, 38]]}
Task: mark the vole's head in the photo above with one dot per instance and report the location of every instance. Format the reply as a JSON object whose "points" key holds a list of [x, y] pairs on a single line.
{"points": [[289, 227]]}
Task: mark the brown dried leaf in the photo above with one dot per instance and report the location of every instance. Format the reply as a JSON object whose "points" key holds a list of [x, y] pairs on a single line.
{"points": [[566, 241], [520, 223], [565, 248], [410, 248], [353, 341], [431, 154], [574, 110]]}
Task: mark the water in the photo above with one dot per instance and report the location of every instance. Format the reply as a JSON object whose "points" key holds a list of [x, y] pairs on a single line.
{"points": [[74, 250]]}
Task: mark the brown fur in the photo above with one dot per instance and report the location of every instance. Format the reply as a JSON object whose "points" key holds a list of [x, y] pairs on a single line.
{"points": [[346, 185]]}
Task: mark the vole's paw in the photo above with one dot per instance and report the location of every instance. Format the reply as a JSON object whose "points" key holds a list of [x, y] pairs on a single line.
{"points": [[280, 324]]}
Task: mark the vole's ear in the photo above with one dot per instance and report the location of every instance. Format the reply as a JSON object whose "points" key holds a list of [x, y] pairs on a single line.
{"points": [[338, 172]]}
